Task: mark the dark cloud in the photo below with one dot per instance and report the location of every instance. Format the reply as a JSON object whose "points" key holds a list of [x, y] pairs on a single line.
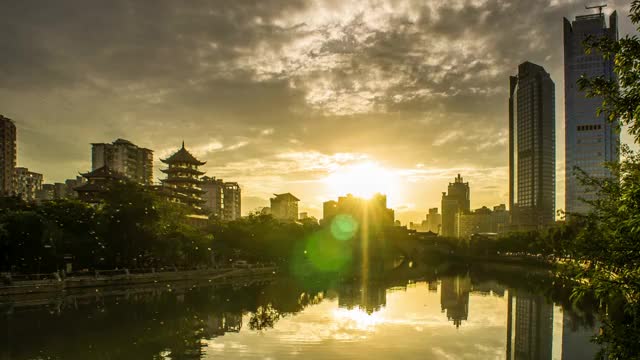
{"points": [[244, 82]]}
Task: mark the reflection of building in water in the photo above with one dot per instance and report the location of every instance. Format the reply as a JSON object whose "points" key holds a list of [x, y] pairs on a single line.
{"points": [[369, 298], [576, 339], [454, 298], [219, 324], [488, 288], [533, 327]]}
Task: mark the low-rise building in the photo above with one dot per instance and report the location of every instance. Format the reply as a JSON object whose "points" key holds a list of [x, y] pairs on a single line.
{"points": [[483, 220]]}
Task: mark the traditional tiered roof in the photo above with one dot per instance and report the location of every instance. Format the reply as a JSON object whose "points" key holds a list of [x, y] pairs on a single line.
{"points": [[98, 182], [183, 178], [182, 156]]}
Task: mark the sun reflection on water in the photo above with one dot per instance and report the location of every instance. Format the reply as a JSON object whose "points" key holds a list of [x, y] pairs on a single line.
{"points": [[357, 319]]}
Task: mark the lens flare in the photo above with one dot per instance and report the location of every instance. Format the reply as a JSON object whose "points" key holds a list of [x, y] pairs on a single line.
{"points": [[344, 227]]}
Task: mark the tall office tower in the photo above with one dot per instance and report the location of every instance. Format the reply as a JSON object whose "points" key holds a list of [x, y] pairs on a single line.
{"points": [[134, 162], [7, 155], [232, 202], [457, 200], [532, 147], [590, 140]]}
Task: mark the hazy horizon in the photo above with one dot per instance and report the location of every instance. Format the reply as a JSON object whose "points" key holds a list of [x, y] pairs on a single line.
{"points": [[286, 96]]}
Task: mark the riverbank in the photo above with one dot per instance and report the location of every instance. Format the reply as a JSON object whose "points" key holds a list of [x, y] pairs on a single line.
{"points": [[120, 278]]}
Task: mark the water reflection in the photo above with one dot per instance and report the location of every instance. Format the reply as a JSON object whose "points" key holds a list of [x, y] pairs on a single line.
{"points": [[463, 314]]}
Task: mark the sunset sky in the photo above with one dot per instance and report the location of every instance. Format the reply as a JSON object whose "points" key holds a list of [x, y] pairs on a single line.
{"points": [[317, 98]]}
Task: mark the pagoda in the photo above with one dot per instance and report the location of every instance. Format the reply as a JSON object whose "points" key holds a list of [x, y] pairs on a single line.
{"points": [[182, 184], [99, 181]]}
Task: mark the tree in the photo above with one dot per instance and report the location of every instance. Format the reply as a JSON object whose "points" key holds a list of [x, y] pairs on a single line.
{"points": [[607, 247]]}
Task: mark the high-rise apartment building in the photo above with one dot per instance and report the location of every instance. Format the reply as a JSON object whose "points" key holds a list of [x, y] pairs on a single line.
{"points": [[532, 159], [590, 140], [222, 199], [457, 200], [213, 195], [7, 155], [26, 184], [232, 201], [122, 156]]}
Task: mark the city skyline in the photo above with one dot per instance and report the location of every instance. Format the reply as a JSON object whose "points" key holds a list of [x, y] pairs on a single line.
{"points": [[305, 128]]}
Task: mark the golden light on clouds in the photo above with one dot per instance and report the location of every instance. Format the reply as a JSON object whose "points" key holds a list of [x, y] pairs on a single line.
{"points": [[362, 179]]}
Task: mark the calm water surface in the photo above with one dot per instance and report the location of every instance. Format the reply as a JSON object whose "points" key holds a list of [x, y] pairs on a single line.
{"points": [[461, 315]]}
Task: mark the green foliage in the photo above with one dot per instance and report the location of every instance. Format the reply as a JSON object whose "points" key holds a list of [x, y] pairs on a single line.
{"points": [[606, 250], [621, 100]]}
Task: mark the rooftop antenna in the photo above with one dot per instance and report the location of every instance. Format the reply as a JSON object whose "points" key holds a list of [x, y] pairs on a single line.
{"points": [[599, 7]]}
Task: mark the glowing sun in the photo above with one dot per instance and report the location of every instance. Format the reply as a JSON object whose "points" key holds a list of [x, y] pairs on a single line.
{"points": [[362, 179]]}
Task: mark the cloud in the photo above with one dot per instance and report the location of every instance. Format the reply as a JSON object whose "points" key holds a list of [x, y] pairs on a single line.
{"points": [[270, 92]]}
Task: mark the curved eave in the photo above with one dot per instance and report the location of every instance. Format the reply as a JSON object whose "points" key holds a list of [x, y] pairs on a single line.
{"points": [[182, 170], [181, 181], [174, 161]]}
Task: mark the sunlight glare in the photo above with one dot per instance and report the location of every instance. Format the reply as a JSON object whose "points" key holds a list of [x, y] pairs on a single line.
{"points": [[357, 318], [362, 180]]}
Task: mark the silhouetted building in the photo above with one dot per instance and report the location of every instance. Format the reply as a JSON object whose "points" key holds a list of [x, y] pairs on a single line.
{"points": [[99, 181], [434, 221], [27, 184], [7, 155], [369, 297], [182, 184], [232, 201], [590, 140], [46, 193], [457, 200], [532, 149], [533, 326], [454, 298], [284, 207], [375, 208], [134, 162]]}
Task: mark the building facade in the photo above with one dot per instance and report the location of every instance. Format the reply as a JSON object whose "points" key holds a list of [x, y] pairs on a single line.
{"points": [[532, 164], [456, 200], [482, 221], [26, 184], [7, 155], [222, 199], [134, 162], [182, 184], [213, 196], [590, 140], [232, 201], [284, 207]]}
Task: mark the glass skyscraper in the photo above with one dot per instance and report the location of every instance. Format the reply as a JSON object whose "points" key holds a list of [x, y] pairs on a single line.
{"points": [[532, 181], [590, 140]]}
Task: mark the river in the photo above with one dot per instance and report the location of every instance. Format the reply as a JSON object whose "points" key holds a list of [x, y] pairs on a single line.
{"points": [[479, 312]]}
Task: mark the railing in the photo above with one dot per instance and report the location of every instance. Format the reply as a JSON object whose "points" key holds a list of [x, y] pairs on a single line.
{"points": [[13, 278]]}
